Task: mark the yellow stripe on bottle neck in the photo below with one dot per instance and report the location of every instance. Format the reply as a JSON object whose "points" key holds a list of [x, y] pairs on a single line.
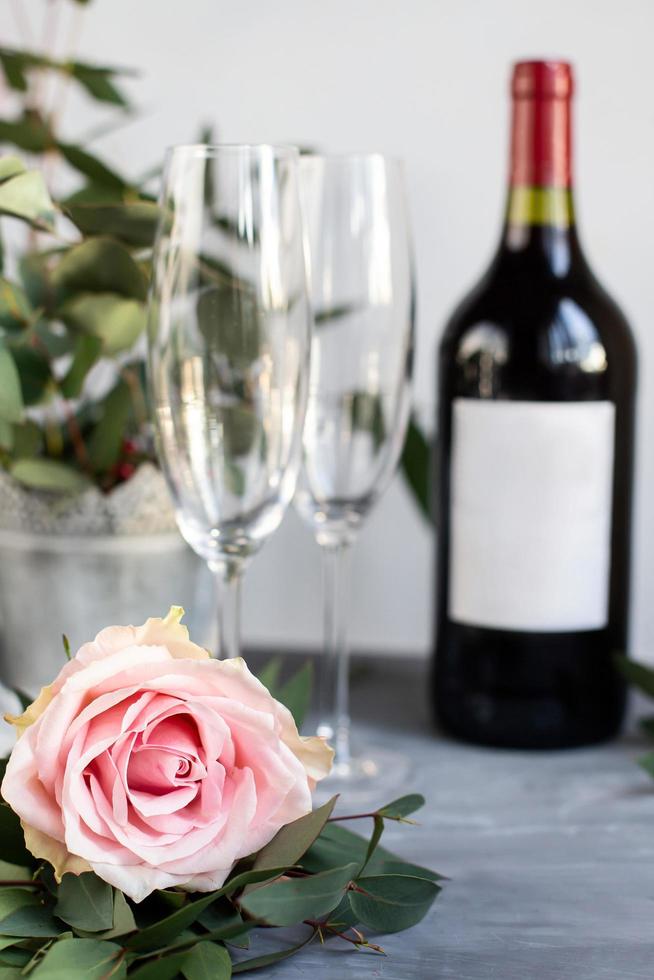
{"points": [[540, 206]]}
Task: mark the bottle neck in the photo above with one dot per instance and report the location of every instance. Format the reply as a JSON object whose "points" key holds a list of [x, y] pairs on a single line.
{"points": [[540, 215]]}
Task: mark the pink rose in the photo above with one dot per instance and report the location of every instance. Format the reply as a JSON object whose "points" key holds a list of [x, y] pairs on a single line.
{"points": [[152, 764]]}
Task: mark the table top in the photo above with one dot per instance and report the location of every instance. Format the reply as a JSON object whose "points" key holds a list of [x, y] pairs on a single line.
{"points": [[550, 855]]}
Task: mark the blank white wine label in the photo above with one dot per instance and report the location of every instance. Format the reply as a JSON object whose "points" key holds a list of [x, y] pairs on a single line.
{"points": [[530, 518]]}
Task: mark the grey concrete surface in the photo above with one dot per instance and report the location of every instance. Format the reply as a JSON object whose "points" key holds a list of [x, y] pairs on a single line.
{"points": [[550, 855]]}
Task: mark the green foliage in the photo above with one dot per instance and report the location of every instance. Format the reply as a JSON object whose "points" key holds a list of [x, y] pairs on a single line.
{"points": [[84, 928], [96, 287], [642, 678], [81, 289]]}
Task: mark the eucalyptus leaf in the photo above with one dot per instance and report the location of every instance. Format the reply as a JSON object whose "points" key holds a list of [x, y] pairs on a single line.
{"points": [[15, 308], [34, 372], [11, 398], [132, 222], [161, 968], [292, 841], [85, 902], [12, 899], [29, 132], [269, 674], [637, 674], [31, 921], [10, 167], [207, 961], [48, 474], [27, 439], [105, 443], [87, 352], [89, 165], [91, 958], [295, 694], [402, 807], [415, 463], [6, 435], [228, 318], [162, 932], [26, 197], [336, 844], [117, 321], [98, 82], [378, 830], [269, 959], [285, 903], [391, 903], [647, 763], [100, 265]]}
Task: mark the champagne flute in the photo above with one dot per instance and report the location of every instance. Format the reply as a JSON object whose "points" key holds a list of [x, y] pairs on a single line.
{"points": [[362, 293], [229, 341]]}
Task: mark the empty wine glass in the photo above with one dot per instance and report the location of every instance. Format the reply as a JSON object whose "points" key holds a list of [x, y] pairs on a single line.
{"points": [[229, 340], [361, 277]]}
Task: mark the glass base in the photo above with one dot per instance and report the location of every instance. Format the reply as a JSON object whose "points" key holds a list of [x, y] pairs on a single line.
{"points": [[373, 777]]}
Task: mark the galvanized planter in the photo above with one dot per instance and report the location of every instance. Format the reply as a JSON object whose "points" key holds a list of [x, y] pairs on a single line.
{"points": [[76, 564]]}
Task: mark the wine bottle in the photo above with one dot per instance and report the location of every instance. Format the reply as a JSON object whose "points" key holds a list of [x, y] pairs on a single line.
{"points": [[537, 371]]}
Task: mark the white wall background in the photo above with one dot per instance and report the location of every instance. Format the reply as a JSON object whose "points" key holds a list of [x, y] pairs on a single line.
{"points": [[427, 80]]}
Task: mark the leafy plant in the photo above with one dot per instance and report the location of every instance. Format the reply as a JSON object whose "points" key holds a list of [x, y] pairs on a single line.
{"points": [[72, 304], [72, 309]]}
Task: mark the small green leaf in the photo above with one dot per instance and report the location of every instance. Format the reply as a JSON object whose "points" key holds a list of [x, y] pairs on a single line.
{"points": [[87, 352], [13, 899], [85, 901], [89, 165], [337, 844], [15, 309], [285, 903], [378, 830], [10, 167], [98, 82], [92, 959], [228, 318], [28, 439], [66, 643], [11, 399], [48, 474], [31, 921], [647, 763], [161, 968], [163, 931], [269, 674], [415, 464], [402, 807], [29, 132], [134, 223], [100, 265], [34, 373], [292, 841], [207, 961], [26, 197], [117, 321], [269, 959], [392, 903], [637, 674], [6, 435], [295, 694], [105, 442]]}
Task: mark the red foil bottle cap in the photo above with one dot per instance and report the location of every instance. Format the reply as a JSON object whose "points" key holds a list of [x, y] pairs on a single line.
{"points": [[540, 137], [542, 80]]}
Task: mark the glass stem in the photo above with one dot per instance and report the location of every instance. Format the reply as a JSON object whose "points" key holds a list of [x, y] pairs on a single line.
{"points": [[334, 685], [227, 575]]}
